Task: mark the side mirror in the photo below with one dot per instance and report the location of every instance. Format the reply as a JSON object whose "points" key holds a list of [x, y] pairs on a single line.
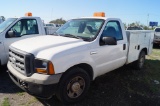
{"points": [[108, 41], [11, 34]]}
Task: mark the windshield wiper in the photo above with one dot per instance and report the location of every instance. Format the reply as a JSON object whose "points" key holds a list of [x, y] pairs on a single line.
{"points": [[56, 34], [72, 36]]}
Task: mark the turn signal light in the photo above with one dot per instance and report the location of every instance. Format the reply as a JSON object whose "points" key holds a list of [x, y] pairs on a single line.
{"points": [[39, 70], [51, 68], [48, 70]]}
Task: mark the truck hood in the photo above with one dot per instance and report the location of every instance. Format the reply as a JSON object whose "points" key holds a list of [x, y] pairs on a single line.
{"points": [[49, 43]]}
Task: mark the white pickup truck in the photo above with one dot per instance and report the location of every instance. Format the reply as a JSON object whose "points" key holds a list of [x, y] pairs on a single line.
{"points": [[14, 29], [51, 28], [81, 50]]}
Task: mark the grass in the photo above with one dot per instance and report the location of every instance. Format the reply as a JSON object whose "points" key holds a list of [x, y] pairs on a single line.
{"points": [[155, 55], [5, 102], [128, 86], [153, 67], [31, 101], [149, 74], [21, 93]]}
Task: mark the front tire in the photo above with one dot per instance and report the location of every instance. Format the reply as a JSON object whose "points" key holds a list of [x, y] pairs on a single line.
{"points": [[73, 86], [140, 62]]}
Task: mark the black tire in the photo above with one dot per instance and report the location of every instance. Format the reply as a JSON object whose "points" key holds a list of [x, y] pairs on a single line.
{"points": [[73, 86], [155, 45], [140, 62]]}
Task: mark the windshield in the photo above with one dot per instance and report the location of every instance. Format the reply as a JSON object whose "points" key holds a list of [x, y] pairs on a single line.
{"points": [[86, 29], [6, 23], [157, 30]]}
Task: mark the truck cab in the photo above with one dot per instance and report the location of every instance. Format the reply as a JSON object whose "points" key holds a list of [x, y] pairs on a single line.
{"points": [[14, 29]]}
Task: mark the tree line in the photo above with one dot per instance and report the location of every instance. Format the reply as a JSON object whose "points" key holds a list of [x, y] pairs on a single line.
{"points": [[2, 18], [138, 24], [58, 21]]}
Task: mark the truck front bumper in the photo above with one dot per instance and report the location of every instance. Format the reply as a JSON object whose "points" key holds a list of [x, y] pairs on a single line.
{"points": [[40, 86]]}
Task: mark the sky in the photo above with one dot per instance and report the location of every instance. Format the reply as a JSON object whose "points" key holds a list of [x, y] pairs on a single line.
{"points": [[128, 11]]}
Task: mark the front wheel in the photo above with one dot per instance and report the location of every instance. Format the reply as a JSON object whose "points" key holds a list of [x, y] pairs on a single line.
{"points": [[155, 45], [140, 62], [73, 86]]}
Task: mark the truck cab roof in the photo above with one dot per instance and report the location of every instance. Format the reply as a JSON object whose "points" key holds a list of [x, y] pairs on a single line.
{"points": [[24, 17], [105, 18]]}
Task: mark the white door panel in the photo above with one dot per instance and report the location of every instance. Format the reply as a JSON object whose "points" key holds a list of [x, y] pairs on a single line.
{"points": [[151, 38], [2, 53], [109, 58], [133, 47]]}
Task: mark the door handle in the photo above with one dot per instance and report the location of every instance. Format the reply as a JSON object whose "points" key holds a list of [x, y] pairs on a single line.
{"points": [[138, 47], [124, 46]]}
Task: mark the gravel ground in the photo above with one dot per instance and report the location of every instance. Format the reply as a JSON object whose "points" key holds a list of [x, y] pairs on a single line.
{"points": [[124, 86], [15, 96]]}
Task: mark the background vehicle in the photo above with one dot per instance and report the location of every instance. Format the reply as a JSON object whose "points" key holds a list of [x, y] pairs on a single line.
{"points": [[84, 49], [51, 28], [157, 36], [134, 28], [14, 29]]}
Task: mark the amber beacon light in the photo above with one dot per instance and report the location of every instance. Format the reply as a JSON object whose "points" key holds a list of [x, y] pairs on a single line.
{"points": [[99, 14], [28, 14]]}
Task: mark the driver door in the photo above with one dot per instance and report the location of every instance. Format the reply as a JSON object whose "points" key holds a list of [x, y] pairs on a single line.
{"points": [[110, 57]]}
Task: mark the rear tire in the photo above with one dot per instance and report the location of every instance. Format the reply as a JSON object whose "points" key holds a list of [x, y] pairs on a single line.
{"points": [[155, 45], [73, 86], [140, 62]]}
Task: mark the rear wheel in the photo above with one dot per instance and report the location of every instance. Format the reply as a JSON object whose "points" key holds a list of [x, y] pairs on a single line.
{"points": [[140, 62], [73, 86], [155, 45]]}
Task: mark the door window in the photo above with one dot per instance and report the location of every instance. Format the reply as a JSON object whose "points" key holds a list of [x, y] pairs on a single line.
{"points": [[25, 27], [113, 29]]}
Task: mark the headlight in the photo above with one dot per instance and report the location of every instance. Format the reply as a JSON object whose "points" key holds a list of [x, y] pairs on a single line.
{"points": [[44, 67]]}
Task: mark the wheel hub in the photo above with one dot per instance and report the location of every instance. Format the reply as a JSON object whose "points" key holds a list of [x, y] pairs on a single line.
{"points": [[75, 87], [142, 61]]}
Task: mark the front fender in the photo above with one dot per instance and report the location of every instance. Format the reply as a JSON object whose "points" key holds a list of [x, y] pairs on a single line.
{"points": [[62, 64]]}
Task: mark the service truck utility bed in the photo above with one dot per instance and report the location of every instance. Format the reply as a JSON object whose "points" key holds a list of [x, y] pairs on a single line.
{"points": [[138, 40]]}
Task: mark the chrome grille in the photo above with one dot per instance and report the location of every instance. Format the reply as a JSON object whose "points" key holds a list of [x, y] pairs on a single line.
{"points": [[17, 61], [22, 61]]}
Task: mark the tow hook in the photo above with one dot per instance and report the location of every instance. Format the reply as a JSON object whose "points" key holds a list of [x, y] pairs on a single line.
{"points": [[23, 84]]}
